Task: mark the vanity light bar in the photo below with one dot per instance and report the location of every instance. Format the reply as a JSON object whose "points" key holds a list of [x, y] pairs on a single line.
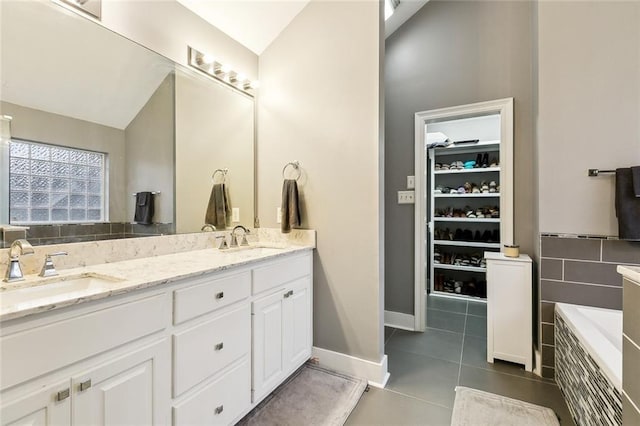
{"points": [[222, 72]]}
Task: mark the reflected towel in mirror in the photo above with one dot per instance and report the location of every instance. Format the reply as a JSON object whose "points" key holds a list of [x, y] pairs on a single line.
{"points": [[219, 208], [144, 208], [290, 210]]}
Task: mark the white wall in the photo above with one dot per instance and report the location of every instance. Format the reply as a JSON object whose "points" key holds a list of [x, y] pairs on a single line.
{"points": [[319, 103], [168, 28], [589, 110]]}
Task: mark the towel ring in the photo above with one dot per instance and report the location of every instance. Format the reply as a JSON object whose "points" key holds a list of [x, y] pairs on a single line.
{"points": [[224, 175], [296, 166]]}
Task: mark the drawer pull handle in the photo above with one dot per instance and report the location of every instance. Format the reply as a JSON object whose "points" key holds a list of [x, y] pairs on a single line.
{"points": [[290, 292], [220, 346], [85, 385], [62, 395], [220, 295], [286, 295], [219, 409]]}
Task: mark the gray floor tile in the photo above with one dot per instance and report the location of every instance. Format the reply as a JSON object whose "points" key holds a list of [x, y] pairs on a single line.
{"points": [[475, 355], [476, 326], [382, 407], [478, 309], [388, 331], [533, 391], [429, 379], [447, 304], [435, 343], [445, 320]]}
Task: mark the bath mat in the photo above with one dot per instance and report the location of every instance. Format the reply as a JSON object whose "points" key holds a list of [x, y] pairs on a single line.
{"points": [[474, 407], [311, 396]]}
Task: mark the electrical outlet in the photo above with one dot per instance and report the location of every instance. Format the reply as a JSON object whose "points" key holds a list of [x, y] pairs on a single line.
{"points": [[411, 182], [235, 214], [279, 215], [406, 197]]}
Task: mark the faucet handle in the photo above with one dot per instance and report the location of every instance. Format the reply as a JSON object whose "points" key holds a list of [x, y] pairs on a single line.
{"points": [[48, 269], [223, 244]]}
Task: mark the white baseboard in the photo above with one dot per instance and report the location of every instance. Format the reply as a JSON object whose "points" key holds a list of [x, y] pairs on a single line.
{"points": [[538, 357], [399, 320], [376, 373]]}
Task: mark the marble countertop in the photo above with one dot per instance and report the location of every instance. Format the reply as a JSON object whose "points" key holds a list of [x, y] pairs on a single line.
{"points": [[630, 272], [126, 276]]}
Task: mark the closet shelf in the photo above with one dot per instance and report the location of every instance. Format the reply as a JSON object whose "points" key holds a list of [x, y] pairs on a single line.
{"points": [[465, 219], [464, 171], [458, 267], [466, 244], [458, 296], [485, 195]]}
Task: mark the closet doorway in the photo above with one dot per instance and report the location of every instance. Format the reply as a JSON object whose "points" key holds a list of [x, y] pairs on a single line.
{"points": [[464, 200]]}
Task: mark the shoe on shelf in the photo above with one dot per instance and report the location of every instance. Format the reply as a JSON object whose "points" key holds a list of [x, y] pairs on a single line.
{"points": [[479, 213], [468, 211], [467, 188], [478, 160], [492, 187], [438, 189], [485, 160], [458, 235], [477, 236], [474, 189], [438, 166], [494, 162], [484, 188], [469, 164], [467, 234]]}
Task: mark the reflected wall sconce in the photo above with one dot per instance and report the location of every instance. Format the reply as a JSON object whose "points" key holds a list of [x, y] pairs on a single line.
{"points": [[208, 65]]}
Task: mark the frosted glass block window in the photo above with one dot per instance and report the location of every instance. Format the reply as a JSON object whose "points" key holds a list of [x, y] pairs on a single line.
{"points": [[49, 183]]}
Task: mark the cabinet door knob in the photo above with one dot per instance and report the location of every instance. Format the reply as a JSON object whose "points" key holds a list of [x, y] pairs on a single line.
{"points": [[220, 295], [290, 292], [219, 346], [219, 409], [62, 395], [85, 385], [286, 295]]}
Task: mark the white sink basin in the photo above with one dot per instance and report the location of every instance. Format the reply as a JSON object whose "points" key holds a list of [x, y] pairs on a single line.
{"points": [[56, 289]]}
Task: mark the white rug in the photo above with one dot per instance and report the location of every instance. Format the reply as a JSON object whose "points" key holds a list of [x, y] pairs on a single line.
{"points": [[474, 407], [312, 396]]}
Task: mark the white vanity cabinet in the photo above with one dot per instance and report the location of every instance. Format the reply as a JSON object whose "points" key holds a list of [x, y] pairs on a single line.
{"points": [[202, 350], [282, 322]]}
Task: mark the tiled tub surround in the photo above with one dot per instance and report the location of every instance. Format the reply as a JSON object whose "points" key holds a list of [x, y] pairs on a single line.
{"points": [[168, 259], [591, 395], [582, 271], [631, 346]]}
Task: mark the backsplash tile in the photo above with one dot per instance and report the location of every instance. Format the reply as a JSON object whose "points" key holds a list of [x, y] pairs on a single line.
{"points": [[579, 270], [592, 272], [619, 251], [551, 269], [581, 294], [570, 248]]}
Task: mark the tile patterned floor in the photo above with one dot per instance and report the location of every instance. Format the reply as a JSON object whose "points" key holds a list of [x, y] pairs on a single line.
{"points": [[426, 367]]}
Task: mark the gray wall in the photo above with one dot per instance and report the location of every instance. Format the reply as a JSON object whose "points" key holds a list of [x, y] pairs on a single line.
{"points": [[581, 271], [453, 53], [319, 104], [589, 110], [149, 152]]}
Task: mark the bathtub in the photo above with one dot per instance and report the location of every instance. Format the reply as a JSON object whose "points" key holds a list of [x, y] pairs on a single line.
{"points": [[588, 360]]}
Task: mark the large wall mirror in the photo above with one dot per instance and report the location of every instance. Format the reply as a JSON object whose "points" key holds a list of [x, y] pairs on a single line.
{"points": [[97, 118]]}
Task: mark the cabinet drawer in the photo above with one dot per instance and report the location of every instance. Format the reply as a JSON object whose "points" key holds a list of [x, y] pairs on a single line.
{"points": [[208, 294], [278, 273], [73, 339], [220, 402], [207, 348]]}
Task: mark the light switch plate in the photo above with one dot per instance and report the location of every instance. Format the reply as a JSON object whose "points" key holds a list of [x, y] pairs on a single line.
{"points": [[406, 197], [279, 215], [235, 214], [411, 182]]}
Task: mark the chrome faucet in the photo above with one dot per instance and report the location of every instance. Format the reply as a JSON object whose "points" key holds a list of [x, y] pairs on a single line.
{"points": [[48, 269], [209, 227], [234, 239], [223, 245], [18, 248]]}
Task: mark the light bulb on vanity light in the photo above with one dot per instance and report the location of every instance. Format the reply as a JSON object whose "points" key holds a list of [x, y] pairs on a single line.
{"points": [[207, 59], [225, 68]]}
